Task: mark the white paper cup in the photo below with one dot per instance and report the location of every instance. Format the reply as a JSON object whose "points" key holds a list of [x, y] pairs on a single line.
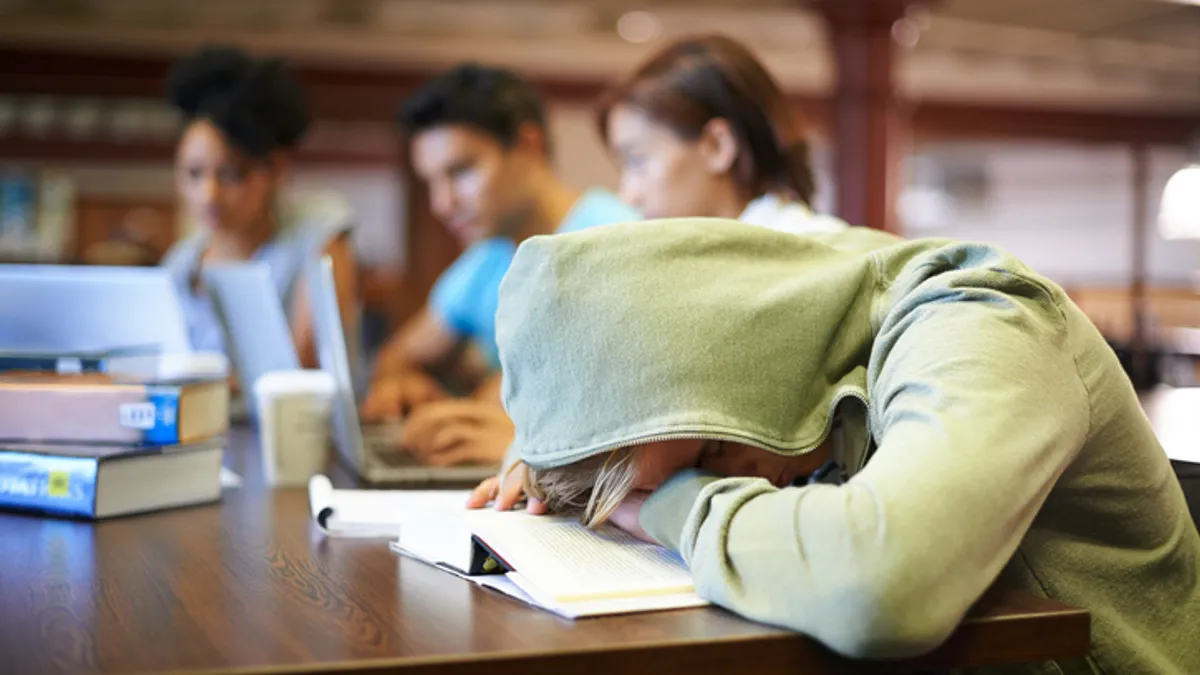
{"points": [[294, 409]]}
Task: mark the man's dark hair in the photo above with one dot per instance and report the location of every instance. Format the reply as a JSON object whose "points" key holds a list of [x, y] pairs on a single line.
{"points": [[256, 103], [494, 101]]}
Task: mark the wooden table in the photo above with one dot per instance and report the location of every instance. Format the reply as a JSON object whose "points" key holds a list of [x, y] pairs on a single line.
{"points": [[250, 586]]}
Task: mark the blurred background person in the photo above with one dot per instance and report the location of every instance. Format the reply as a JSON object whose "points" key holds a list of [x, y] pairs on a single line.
{"points": [[244, 118], [478, 140], [702, 129]]}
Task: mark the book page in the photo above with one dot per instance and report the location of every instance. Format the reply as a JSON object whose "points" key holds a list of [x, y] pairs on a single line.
{"points": [[599, 607], [376, 513], [569, 563], [441, 538]]}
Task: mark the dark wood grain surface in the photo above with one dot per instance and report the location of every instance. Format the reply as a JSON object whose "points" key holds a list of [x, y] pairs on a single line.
{"points": [[250, 586]]}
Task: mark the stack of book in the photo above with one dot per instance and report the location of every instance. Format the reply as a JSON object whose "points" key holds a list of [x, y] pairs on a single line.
{"points": [[107, 434]]}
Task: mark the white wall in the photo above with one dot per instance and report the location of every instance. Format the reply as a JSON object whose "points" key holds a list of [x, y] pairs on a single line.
{"points": [[1067, 211], [579, 155]]}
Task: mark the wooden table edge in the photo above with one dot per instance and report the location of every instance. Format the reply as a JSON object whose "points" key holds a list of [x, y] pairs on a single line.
{"points": [[778, 653]]}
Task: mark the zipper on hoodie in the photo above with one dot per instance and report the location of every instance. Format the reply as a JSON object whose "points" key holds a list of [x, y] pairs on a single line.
{"points": [[746, 439]]}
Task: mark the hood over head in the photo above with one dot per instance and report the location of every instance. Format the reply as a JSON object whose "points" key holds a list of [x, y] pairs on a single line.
{"points": [[682, 328]]}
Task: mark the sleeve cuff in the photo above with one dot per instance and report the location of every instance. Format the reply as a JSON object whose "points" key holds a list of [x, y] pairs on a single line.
{"points": [[667, 508]]}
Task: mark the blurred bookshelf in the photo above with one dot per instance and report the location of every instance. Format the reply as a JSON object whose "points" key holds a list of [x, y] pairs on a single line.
{"points": [[45, 217], [35, 215], [46, 142]]}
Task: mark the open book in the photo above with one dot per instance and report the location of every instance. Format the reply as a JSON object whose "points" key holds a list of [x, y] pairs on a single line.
{"points": [[550, 562]]}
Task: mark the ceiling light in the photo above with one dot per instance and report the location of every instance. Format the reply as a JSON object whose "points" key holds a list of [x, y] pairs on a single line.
{"points": [[1179, 215], [638, 27]]}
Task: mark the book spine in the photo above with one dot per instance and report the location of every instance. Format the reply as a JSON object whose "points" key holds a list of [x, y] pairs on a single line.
{"points": [[91, 414], [64, 486]]}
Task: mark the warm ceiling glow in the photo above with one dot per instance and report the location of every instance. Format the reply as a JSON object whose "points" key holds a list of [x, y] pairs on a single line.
{"points": [[1179, 216], [638, 27]]}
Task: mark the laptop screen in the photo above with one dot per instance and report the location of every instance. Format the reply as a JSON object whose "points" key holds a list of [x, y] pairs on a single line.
{"points": [[65, 308], [334, 359], [257, 335]]}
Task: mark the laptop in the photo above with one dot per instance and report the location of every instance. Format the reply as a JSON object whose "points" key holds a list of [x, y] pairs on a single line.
{"points": [[369, 450], [77, 308], [257, 337]]}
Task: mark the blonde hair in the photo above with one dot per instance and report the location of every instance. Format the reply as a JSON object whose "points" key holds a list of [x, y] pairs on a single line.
{"points": [[591, 488]]}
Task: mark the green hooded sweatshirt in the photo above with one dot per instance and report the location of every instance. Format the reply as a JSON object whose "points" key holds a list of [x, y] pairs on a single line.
{"points": [[988, 432]]}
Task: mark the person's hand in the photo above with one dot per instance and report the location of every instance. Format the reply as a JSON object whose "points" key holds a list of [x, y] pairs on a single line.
{"points": [[392, 397], [625, 516], [490, 390], [505, 491], [450, 433]]}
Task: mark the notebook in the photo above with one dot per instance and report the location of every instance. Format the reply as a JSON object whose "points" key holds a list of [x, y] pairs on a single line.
{"points": [[374, 514], [550, 562]]}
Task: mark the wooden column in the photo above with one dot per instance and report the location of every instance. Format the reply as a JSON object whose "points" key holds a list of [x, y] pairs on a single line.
{"points": [[869, 125], [1139, 349]]}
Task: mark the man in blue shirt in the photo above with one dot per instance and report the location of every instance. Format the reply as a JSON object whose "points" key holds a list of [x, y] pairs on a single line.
{"points": [[478, 139]]}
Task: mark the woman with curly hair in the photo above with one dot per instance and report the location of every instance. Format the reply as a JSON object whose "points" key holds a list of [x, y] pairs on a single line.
{"points": [[243, 120]]}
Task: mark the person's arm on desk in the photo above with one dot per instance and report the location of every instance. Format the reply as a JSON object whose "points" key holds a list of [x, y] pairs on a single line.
{"points": [[463, 431], [888, 564], [401, 380], [506, 491], [434, 343], [489, 391]]}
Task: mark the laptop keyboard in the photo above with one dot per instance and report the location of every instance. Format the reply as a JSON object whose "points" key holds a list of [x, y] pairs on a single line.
{"points": [[391, 456], [381, 443]]}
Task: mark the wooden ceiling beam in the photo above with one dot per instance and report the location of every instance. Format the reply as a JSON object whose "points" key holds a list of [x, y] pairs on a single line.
{"points": [[371, 93], [948, 120]]}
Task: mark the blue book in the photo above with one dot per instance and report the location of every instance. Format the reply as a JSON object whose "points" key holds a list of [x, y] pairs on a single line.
{"points": [[98, 481]]}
